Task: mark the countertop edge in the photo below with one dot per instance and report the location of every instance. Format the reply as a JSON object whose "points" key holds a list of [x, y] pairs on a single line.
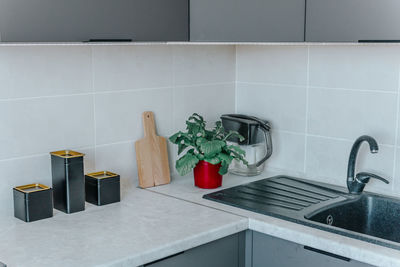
{"points": [[180, 245]]}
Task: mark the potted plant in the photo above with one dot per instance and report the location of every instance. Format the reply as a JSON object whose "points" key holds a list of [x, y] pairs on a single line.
{"points": [[206, 151]]}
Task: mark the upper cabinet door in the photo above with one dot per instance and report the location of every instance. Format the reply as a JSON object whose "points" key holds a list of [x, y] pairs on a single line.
{"points": [[352, 20], [247, 20], [83, 20], [44, 20], [140, 20]]}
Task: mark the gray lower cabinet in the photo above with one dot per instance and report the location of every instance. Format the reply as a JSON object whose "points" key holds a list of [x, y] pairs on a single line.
{"points": [[225, 252], [245, 21], [274, 252], [352, 20], [82, 20]]}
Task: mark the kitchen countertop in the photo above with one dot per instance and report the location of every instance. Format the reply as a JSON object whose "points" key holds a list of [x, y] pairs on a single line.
{"points": [[158, 222], [142, 228], [183, 188]]}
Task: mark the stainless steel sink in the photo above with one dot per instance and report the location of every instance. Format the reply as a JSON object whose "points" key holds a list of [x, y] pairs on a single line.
{"points": [[368, 214]]}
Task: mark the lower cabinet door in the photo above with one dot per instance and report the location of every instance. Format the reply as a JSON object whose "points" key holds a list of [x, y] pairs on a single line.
{"points": [[220, 253], [274, 252]]}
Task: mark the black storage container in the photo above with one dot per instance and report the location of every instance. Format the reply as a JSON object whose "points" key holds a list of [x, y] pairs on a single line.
{"points": [[68, 180], [33, 202], [102, 188]]}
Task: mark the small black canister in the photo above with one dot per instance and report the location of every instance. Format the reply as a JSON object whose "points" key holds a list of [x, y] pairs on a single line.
{"points": [[102, 188], [68, 180], [33, 202]]}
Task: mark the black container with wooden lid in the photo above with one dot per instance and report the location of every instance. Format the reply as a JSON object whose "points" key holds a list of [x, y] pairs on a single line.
{"points": [[102, 188], [33, 202], [68, 180]]}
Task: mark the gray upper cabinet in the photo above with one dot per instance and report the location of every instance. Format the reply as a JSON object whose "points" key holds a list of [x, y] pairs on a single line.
{"points": [[83, 20], [352, 20], [246, 21]]}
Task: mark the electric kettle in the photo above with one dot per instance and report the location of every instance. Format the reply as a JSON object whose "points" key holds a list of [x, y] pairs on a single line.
{"points": [[257, 142]]}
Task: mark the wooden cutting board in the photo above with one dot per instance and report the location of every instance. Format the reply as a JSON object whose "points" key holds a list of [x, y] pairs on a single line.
{"points": [[152, 155]]}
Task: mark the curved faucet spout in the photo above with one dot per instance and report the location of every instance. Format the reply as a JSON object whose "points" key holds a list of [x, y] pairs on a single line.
{"points": [[373, 147]]}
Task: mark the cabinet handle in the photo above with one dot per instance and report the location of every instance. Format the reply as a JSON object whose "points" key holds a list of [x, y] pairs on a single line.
{"points": [[107, 40], [379, 41], [150, 263], [326, 253]]}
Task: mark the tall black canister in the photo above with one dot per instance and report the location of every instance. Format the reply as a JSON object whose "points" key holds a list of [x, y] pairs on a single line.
{"points": [[68, 180]]}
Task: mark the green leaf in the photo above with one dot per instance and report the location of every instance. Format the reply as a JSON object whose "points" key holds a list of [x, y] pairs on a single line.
{"points": [[197, 118], [210, 148], [174, 138], [225, 158], [209, 134], [236, 149], [224, 169], [195, 129], [186, 163], [181, 148], [200, 140], [234, 134], [214, 160]]}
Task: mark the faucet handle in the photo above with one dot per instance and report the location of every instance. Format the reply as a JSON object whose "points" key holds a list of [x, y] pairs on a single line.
{"points": [[363, 177]]}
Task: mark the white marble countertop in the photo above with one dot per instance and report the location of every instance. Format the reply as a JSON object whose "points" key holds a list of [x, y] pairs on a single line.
{"points": [[142, 228], [158, 222], [183, 188]]}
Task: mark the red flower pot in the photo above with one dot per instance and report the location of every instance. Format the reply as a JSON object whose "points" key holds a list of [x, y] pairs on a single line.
{"points": [[206, 175]]}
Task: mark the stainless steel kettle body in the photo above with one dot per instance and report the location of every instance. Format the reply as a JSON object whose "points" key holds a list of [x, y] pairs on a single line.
{"points": [[257, 142]]}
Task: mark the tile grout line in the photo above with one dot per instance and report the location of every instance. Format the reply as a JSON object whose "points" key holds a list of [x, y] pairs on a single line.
{"points": [[173, 62], [44, 153], [341, 139], [41, 97], [396, 132], [236, 78], [94, 109], [306, 111], [320, 87], [113, 92]]}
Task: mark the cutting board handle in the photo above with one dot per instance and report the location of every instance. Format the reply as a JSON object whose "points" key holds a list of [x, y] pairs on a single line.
{"points": [[149, 124]]}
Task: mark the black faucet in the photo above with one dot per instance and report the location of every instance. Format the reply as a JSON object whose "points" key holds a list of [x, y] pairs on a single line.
{"points": [[356, 183]]}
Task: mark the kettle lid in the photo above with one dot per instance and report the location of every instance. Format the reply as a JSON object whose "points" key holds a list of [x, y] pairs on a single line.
{"points": [[247, 126], [245, 119]]}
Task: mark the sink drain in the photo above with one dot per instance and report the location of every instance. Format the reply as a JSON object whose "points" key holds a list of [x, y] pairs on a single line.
{"points": [[329, 220]]}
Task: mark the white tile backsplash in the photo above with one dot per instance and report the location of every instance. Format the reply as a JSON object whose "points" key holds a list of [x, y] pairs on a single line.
{"points": [[350, 114], [132, 67], [319, 98], [284, 106], [33, 71], [288, 152], [210, 101], [39, 125], [204, 64], [119, 158], [355, 67], [277, 64], [396, 178], [345, 92], [90, 98], [119, 115]]}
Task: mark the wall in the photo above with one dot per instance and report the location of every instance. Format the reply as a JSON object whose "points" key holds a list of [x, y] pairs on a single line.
{"points": [[90, 99], [320, 98]]}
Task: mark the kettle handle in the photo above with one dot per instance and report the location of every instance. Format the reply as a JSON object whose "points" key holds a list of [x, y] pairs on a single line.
{"points": [[265, 127], [268, 144]]}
